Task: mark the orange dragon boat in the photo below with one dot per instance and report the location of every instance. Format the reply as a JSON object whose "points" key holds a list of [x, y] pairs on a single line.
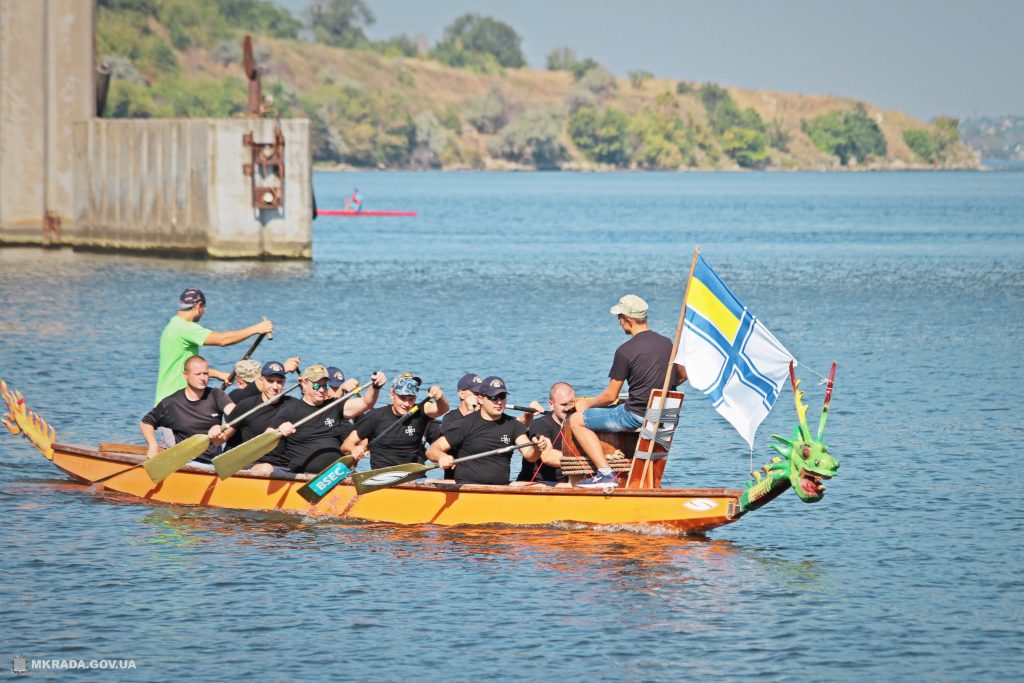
{"points": [[804, 463]]}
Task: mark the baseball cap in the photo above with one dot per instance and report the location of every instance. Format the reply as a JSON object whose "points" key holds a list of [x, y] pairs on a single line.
{"points": [[335, 376], [272, 368], [314, 373], [630, 306], [247, 369], [189, 298], [492, 386], [470, 382], [406, 384]]}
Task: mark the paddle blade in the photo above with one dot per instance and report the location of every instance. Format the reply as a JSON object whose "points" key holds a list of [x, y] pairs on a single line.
{"points": [[384, 477], [322, 484], [245, 454], [162, 465]]}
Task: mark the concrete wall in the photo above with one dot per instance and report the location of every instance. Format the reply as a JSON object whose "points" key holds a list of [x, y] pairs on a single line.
{"points": [[178, 186], [46, 84]]}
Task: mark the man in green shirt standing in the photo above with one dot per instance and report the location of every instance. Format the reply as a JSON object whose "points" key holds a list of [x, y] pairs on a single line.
{"points": [[183, 336]]}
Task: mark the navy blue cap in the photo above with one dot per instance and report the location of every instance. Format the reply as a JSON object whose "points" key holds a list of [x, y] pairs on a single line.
{"points": [[470, 382], [492, 386], [335, 377], [272, 368]]}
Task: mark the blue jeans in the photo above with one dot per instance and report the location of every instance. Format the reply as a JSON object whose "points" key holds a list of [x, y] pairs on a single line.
{"points": [[614, 419]]}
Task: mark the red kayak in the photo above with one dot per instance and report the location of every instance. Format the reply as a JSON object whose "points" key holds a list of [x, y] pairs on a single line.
{"points": [[341, 212]]}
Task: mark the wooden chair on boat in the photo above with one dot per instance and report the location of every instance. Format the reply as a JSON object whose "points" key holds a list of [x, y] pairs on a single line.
{"points": [[648, 445]]}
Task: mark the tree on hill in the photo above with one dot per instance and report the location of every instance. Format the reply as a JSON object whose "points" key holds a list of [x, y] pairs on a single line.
{"points": [[603, 138], [850, 135], [339, 23], [471, 38]]}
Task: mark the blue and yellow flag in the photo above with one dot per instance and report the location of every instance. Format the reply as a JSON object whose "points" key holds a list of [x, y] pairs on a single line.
{"points": [[729, 354]]}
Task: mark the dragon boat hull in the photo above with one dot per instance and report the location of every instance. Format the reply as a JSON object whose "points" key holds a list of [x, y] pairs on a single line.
{"points": [[432, 502]]}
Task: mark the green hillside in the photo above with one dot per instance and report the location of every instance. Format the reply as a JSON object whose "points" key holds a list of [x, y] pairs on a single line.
{"points": [[467, 103]]}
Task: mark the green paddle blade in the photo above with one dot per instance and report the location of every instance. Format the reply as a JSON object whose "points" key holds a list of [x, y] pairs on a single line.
{"points": [[161, 466], [245, 454], [384, 477]]}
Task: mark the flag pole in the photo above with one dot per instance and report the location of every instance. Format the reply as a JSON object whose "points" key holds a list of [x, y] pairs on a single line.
{"points": [[671, 366], [682, 319]]}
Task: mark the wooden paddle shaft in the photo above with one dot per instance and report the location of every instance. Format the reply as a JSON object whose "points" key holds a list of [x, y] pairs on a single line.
{"points": [[252, 348]]}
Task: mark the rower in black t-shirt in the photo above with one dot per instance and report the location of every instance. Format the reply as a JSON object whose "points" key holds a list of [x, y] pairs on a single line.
{"points": [[641, 362], [315, 444], [561, 400], [271, 384], [485, 430], [402, 444], [196, 409]]}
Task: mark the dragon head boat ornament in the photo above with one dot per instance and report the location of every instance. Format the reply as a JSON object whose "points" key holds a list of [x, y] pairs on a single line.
{"points": [[804, 460], [19, 419]]}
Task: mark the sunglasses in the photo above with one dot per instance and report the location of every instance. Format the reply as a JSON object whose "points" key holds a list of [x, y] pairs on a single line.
{"points": [[499, 398], [317, 386]]}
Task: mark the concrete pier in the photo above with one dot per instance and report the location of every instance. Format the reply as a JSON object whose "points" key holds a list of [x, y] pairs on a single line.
{"points": [[179, 186], [46, 84], [206, 187]]}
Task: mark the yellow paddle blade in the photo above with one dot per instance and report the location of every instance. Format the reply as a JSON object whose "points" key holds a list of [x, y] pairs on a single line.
{"points": [[245, 454], [382, 478], [161, 466]]}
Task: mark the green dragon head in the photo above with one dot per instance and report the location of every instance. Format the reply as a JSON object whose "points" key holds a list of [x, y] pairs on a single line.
{"points": [[804, 463]]}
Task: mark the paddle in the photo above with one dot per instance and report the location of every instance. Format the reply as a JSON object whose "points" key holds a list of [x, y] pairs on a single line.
{"points": [[322, 483], [367, 482], [162, 465], [252, 348], [522, 409], [245, 454]]}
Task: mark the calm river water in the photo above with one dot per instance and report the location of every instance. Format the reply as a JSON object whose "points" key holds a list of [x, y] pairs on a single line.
{"points": [[910, 568]]}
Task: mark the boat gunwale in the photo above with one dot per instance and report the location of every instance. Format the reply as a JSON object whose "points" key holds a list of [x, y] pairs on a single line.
{"points": [[439, 485]]}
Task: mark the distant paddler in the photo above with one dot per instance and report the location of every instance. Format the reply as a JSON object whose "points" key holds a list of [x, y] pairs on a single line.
{"points": [[355, 202], [183, 335]]}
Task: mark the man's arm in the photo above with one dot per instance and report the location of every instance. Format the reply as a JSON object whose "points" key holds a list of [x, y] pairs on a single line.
{"points": [[438, 452], [437, 407], [605, 398], [235, 336], [149, 434], [364, 402]]}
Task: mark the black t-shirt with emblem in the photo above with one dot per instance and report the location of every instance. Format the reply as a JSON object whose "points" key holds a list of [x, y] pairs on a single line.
{"points": [[473, 434], [187, 418], [544, 425], [315, 444], [401, 445]]}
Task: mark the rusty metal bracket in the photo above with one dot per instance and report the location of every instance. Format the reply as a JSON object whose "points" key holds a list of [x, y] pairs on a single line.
{"points": [[51, 229], [266, 170]]}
